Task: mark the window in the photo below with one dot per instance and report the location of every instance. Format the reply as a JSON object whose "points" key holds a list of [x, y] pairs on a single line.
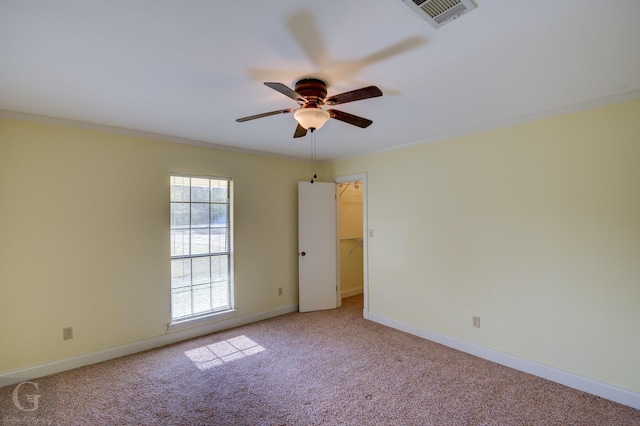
{"points": [[200, 246]]}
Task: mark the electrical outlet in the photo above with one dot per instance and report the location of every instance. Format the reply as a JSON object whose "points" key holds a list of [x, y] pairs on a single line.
{"points": [[67, 333], [476, 322], [279, 291], [370, 233]]}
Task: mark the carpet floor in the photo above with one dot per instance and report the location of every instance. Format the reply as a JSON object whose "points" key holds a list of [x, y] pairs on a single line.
{"points": [[319, 368]]}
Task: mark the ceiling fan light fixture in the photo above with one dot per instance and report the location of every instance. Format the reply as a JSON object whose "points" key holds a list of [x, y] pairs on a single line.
{"points": [[310, 94], [311, 118]]}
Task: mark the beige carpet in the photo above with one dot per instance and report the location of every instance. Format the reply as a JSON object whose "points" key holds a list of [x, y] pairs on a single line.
{"points": [[329, 368]]}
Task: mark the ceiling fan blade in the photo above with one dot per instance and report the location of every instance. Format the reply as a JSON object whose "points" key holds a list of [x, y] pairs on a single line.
{"points": [[307, 34], [300, 131], [287, 91], [354, 95], [393, 50], [264, 114], [350, 118]]}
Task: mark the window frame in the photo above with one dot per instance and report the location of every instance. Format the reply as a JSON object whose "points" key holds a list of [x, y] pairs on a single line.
{"points": [[211, 315]]}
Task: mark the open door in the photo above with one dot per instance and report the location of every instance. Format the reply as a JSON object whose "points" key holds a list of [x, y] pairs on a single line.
{"points": [[366, 234], [317, 246]]}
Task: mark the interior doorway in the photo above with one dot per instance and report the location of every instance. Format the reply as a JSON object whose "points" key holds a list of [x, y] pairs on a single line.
{"points": [[352, 241]]}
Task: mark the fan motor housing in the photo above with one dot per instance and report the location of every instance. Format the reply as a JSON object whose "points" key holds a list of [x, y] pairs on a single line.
{"points": [[312, 89]]}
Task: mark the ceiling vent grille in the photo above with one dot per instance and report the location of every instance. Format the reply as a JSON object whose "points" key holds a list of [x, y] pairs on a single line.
{"points": [[440, 12]]}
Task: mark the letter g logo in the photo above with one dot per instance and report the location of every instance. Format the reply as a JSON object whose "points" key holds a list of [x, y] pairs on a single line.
{"points": [[32, 399]]}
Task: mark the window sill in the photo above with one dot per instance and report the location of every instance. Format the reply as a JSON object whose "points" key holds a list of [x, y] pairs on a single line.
{"points": [[205, 319]]}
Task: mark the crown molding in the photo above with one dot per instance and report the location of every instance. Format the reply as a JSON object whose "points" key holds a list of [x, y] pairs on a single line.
{"points": [[15, 115]]}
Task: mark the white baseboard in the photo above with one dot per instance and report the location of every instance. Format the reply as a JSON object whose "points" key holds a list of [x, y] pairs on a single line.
{"points": [[350, 293], [17, 376], [572, 380], [585, 384]]}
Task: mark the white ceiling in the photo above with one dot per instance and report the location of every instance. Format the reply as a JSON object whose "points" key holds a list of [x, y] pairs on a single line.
{"points": [[187, 69]]}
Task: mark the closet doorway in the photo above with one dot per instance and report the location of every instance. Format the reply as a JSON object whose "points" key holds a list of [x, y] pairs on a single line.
{"points": [[352, 236]]}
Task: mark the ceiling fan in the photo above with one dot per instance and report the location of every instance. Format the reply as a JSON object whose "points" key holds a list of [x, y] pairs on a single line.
{"points": [[311, 94]]}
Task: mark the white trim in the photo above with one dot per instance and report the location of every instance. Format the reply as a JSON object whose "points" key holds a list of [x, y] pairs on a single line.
{"points": [[526, 118], [365, 234], [198, 321], [17, 376], [572, 380], [500, 124], [15, 115]]}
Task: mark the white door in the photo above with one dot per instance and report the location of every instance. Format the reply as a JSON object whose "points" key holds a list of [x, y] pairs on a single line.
{"points": [[317, 246]]}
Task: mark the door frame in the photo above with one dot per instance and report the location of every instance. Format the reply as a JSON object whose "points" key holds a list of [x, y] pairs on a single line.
{"points": [[365, 237]]}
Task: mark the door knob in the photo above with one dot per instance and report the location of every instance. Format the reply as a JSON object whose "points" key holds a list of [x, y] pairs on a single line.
{"points": [[303, 253]]}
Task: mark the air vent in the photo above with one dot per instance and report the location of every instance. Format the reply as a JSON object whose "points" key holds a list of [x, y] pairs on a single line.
{"points": [[440, 12]]}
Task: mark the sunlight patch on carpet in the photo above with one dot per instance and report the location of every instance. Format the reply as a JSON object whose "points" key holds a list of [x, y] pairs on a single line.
{"points": [[220, 353]]}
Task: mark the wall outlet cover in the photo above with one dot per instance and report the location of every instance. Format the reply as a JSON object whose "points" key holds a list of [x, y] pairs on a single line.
{"points": [[67, 333], [476, 322]]}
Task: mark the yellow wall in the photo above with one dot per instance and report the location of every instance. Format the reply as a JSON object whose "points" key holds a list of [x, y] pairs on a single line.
{"points": [[535, 228], [84, 236]]}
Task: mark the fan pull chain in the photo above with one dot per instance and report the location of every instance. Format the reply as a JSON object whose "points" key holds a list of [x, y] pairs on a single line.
{"points": [[313, 154]]}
